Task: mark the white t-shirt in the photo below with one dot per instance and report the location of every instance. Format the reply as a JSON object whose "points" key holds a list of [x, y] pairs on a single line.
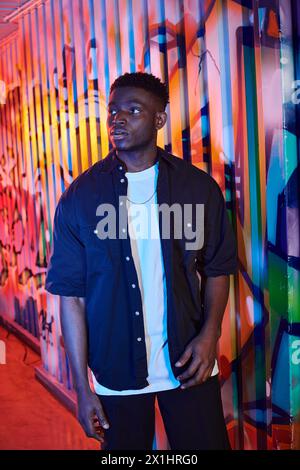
{"points": [[143, 227]]}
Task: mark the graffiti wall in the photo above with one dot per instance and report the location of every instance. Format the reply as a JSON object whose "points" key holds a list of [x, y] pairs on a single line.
{"points": [[233, 70]]}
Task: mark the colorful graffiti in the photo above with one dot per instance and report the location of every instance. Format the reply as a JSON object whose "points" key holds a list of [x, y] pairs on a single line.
{"points": [[233, 70]]}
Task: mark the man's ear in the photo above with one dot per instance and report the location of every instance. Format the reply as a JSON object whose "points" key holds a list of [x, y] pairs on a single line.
{"points": [[160, 119]]}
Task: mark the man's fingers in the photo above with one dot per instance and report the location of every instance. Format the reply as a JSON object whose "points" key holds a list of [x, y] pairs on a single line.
{"points": [[101, 416], [91, 426], [97, 425], [91, 416], [88, 427], [207, 375], [96, 436], [184, 358], [192, 369], [198, 378]]}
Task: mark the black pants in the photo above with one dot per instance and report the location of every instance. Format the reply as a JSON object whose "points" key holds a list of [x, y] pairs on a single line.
{"points": [[193, 418]]}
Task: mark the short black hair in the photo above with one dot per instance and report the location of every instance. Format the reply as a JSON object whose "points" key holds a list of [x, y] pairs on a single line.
{"points": [[147, 81]]}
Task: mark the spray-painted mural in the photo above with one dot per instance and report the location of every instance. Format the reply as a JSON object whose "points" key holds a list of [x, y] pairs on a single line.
{"points": [[232, 69]]}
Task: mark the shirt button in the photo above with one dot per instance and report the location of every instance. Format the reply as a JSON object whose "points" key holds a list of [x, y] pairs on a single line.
{"points": [[137, 313], [121, 203], [124, 230], [122, 180], [189, 224], [133, 286], [139, 339], [127, 258], [120, 168]]}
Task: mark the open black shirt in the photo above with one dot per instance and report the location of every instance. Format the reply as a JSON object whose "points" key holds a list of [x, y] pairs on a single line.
{"points": [[103, 270]]}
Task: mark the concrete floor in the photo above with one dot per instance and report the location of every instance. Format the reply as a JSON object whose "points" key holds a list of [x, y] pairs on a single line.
{"points": [[31, 418]]}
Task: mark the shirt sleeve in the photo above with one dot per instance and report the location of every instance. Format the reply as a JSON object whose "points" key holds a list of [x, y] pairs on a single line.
{"points": [[66, 272], [218, 255]]}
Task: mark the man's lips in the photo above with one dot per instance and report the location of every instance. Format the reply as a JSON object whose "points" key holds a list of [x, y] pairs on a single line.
{"points": [[119, 133]]}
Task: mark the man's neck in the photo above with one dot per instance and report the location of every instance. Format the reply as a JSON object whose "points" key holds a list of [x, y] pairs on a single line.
{"points": [[139, 160]]}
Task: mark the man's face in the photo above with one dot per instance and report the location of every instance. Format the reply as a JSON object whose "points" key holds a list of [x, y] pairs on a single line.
{"points": [[134, 116]]}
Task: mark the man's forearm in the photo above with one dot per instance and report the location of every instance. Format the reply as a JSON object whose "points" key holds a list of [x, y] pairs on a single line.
{"points": [[202, 350], [216, 292], [73, 324]]}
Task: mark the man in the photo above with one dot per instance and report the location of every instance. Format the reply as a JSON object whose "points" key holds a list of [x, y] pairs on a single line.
{"points": [[132, 306]]}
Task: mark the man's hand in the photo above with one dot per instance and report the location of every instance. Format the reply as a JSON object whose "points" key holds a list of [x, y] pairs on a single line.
{"points": [[90, 414], [203, 350]]}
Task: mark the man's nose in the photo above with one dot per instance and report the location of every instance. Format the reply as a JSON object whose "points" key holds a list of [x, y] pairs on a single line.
{"points": [[120, 117]]}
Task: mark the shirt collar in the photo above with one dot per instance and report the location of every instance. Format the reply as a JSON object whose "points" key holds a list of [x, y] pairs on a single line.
{"points": [[109, 163]]}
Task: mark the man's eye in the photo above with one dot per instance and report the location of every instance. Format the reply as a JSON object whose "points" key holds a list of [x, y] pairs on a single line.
{"points": [[112, 111], [135, 110]]}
